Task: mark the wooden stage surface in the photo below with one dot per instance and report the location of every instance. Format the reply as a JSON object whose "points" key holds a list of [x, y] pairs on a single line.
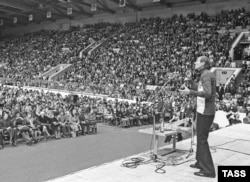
{"points": [[227, 145]]}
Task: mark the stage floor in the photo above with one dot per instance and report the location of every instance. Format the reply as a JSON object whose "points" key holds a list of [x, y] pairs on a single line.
{"points": [[231, 144]]}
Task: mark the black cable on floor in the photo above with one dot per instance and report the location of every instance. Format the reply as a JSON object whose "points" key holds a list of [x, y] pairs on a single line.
{"points": [[174, 161], [218, 146], [233, 151], [214, 147], [177, 164], [159, 168], [134, 162], [231, 142]]}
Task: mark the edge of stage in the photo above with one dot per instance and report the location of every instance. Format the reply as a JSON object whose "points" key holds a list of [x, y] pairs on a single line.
{"points": [[230, 141]]}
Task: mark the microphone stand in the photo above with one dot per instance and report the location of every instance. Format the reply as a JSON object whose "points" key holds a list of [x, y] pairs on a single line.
{"points": [[191, 150], [154, 154]]}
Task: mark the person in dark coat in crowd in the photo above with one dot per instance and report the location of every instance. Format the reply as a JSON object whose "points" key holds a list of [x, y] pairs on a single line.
{"points": [[6, 124], [221, 92]]}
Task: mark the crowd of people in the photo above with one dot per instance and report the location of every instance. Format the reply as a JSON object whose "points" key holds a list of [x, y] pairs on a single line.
{"points": [[31, 55], [31, 115], [151, 53]]}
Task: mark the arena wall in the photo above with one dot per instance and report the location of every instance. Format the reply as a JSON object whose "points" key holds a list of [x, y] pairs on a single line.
{"points": [[128, 15]]}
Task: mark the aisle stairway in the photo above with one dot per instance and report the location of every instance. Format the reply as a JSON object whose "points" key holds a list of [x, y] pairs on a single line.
{"points": [[55, 72]]}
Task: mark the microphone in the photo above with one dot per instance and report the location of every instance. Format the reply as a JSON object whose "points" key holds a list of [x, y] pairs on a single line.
{"points": [[187, 80], [188, 75]]}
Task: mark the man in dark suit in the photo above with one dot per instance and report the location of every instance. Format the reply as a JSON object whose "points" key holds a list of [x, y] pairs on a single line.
{"points": [[205, 92], [221, 92]]}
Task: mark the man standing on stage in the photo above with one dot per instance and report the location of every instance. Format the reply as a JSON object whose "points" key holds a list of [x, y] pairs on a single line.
{"points": [[206, 93]]}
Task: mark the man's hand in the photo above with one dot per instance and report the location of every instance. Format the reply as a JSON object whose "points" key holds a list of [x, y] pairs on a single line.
{"points": [[184, 90]]}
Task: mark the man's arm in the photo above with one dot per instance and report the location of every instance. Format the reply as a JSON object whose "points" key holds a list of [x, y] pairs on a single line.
{"points": [[194, 85], [207, 88]]}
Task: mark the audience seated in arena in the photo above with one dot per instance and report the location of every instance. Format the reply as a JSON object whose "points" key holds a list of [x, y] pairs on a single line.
{"points": [[153, 51], [141, 61]]}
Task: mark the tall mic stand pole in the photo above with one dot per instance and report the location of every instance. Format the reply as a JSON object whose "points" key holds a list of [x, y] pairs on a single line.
{"points": [[154, 154], [191, 150]]}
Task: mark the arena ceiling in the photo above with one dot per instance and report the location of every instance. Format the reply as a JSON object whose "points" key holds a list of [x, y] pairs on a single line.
{"points": [[17, 12]]}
